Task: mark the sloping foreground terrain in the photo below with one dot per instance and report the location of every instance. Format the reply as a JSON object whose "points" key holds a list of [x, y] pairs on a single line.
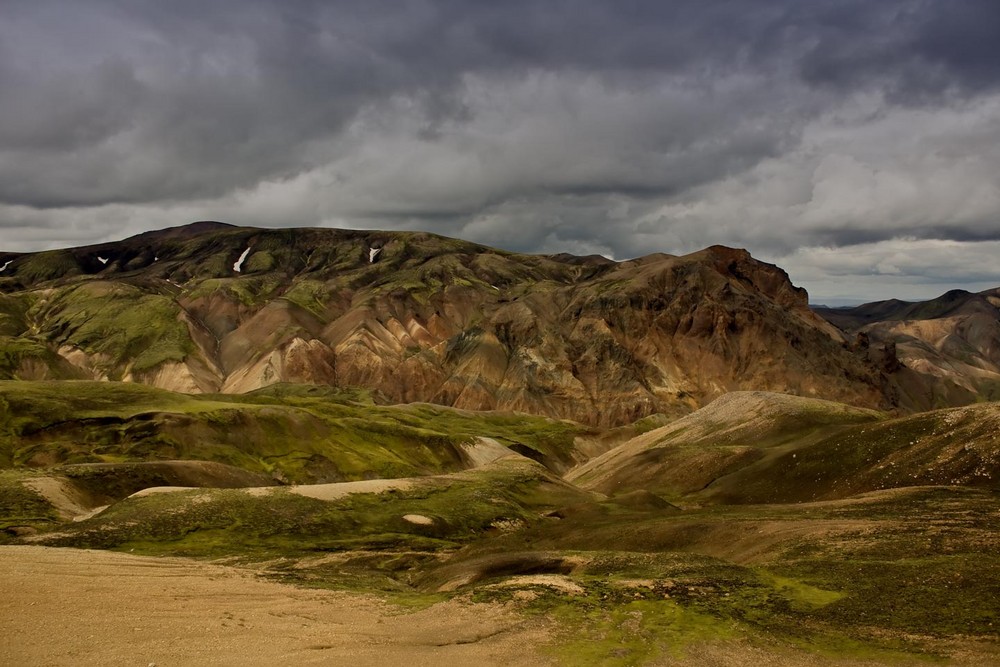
{"points": [[755, 447], [761, 529], [417, 317]]}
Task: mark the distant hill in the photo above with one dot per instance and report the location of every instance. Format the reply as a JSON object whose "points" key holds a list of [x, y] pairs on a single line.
{"points": [[947, 349]]}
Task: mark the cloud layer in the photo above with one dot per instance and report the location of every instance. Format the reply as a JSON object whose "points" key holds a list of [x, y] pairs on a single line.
{"points": [[842, 139]]}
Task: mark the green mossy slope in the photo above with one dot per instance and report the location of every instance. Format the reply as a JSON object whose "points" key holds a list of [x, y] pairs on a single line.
{"points": [[297, 434]]}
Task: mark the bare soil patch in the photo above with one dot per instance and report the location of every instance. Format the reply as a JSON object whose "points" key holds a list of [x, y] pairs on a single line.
{"points": [[67, 606]]}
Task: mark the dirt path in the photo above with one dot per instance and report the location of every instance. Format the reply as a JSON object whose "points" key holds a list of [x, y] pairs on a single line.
{"points": [[75, 607]]}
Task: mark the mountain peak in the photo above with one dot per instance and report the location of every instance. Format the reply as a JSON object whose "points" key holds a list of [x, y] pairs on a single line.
{"points": [[189, 230]]}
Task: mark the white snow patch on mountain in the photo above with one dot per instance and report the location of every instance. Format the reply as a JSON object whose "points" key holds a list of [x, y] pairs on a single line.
{"points": [[239, 262]]}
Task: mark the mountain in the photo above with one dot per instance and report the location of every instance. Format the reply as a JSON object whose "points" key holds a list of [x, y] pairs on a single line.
{"points": [[941, 352], [210, 308]]}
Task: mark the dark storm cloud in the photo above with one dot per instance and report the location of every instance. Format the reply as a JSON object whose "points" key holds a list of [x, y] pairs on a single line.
{"points": [[215, 96], [851, 236], [914, 50], [618, 126]]}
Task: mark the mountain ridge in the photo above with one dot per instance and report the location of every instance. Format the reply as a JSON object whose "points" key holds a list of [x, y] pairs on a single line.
{"points": [[414, 316], [944, 351]]}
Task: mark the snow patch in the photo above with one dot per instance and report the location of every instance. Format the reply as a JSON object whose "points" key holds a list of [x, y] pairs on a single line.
{"points": [[9, 261], [103, 260], [372, 254], [239, 262]]}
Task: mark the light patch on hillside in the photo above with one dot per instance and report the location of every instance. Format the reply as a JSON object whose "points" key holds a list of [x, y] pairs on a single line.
{"points": [[239, 263]]}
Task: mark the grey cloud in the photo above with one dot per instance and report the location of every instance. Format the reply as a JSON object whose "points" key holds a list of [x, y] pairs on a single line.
{"points": [[846, 237], [911, 270], [219, 96]]}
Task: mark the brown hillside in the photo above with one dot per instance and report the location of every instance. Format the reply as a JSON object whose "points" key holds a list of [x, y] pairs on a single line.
{"points": [[941, 352], [430, 319]]}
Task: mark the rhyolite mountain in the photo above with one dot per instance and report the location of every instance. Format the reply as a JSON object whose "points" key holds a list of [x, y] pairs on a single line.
{"points": [[209, 307], [941, 352]]}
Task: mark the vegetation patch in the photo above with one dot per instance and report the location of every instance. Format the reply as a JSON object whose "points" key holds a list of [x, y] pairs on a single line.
{"points": [[296, 434], [23, 511]]}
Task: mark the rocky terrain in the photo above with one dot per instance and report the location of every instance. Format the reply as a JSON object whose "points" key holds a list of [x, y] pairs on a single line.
{"points": [[945, 351], [416, 317]]}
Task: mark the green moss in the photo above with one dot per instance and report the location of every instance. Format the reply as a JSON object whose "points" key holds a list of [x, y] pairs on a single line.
{"points": [[13, 309], [310, 295], [250, 290], [120, 322], [801, 595], [259, 261], [21, 507], [215, 522], [632, 633], [15, 352], [306, 434], [49, 265]]}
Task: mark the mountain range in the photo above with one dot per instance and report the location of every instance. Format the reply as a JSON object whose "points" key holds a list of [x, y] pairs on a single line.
{"points": [[209, 307], [416, 317], [941, 352]]}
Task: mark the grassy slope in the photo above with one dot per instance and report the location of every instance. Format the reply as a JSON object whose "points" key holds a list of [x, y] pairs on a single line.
{"points": [[126, 314], [120, 322], [766, 448], [891, 576], [298, 434], [369, 527]]}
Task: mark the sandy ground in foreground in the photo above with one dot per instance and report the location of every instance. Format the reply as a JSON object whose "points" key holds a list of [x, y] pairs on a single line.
{"points": [[76, 607]]}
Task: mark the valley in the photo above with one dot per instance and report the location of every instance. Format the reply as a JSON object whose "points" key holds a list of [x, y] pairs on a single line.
{"points": [[764, 524], [398, 448]]}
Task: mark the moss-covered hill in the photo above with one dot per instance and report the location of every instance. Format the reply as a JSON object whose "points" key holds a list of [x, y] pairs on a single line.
{"points": [[895, 561], [293, 433]]}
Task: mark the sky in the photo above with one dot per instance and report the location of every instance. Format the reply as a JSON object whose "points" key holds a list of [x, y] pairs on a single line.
{"points": [[856, 144]]}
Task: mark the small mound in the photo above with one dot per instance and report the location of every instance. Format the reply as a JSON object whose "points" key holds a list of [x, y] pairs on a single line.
{"points": [[452, 577], [66, 499], [644, 500], [483, 451], [341, 489]]}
